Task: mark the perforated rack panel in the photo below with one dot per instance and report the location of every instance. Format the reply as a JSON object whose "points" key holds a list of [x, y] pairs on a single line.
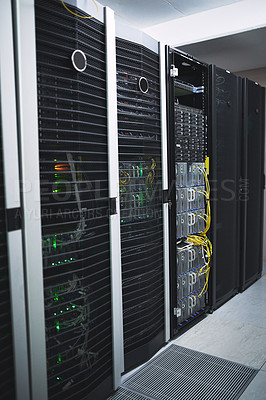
{"points": [[74, 203], [140, 200], [225, 165], [7, 382]]}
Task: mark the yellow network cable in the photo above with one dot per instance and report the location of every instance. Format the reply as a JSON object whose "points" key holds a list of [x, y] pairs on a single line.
{"points": [[127, 178], [201, 238]]}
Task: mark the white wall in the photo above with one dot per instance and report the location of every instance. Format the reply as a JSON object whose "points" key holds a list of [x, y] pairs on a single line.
{"points": [[258, 75], [234, 18]]}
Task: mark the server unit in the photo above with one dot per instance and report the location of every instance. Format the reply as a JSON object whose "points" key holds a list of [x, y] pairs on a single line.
{"points": [[225, 92], [140, 174], [252, 182], [73, 156], [189, 189]]}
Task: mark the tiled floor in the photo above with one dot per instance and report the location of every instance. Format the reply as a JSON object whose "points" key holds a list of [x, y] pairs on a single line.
{"points": [[236, 332]]}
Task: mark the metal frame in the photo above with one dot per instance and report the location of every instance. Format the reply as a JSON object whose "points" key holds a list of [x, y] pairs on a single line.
{"points": [[244, 175], [162, 52], [115, 237], [12, 201], [26, 80], [127, 32], [213, 177]]}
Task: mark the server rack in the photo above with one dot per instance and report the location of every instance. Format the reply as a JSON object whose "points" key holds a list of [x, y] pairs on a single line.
{"points": [[63, 90], [140, 169], [189, 193], [253, 182], [225, 109], [73, 144]]}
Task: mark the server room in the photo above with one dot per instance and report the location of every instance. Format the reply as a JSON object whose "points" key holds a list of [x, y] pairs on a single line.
{"points": [[132, 224]]}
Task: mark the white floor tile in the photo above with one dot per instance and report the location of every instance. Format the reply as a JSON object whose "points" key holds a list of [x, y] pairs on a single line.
{"points": [[235, 341], [236, 331], [257, 388]]}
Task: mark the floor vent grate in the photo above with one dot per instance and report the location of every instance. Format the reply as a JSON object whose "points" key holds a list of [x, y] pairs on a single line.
{"points": [[183, 374], [126, 394]]}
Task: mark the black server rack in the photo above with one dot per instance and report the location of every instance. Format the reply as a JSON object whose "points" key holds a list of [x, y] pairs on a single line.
{"points": [[225, 92], [7, 382], [253, 183], [73, 152], [190, 247], [140, 173]]}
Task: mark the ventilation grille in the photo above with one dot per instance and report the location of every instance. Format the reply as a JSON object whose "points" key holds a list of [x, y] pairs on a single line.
{"points": [[7, 383], [140, 193], [74, 201], [126, 394], [183, 374]]}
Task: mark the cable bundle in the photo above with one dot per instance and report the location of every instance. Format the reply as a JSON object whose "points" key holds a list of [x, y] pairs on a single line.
{"points": [[201, 239]]}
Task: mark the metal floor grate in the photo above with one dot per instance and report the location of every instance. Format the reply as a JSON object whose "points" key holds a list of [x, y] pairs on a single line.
{"points": [[183, 374], [126, 394]]}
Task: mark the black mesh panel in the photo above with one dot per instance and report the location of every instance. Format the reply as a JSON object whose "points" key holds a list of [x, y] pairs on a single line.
{"points": [[140, 199], [74, 203]]}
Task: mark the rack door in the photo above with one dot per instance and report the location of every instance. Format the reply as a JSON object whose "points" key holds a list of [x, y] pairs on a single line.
{"points": [[73, 152], [252, 175], [140, 173]]}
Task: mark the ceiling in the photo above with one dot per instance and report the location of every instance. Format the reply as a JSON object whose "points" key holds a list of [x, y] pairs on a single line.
{"points": [[144, 13], [239, 52]]}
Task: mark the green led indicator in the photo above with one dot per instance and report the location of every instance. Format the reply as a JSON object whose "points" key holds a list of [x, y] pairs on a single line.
{"points": [[59, 378], [59, 358], [141, 170], [54, 242], [57, 325]]}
